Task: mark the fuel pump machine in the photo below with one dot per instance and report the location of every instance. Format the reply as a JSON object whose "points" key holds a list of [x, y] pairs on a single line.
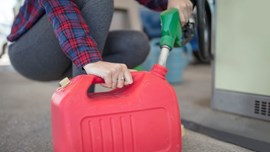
{"points": [[234, 37], [241, 68]]}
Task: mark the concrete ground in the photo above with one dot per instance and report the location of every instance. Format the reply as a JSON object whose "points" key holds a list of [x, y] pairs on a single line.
{"points": [[25, 113]]}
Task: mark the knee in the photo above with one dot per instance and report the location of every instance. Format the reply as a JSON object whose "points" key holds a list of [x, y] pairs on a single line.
{"points": [[13, 57], [141, 46], [129, 47], [18, 63], [134, 44], [29, 67]]}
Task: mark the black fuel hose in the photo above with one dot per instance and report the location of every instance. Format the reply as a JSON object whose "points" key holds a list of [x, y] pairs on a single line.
{"points": [[204, 30]]}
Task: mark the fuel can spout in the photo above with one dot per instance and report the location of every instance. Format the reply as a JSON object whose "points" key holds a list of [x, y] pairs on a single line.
{"points": [[159, 71]]}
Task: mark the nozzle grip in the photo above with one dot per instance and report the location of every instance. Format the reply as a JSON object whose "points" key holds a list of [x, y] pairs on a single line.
{"points": [[171, 29]]}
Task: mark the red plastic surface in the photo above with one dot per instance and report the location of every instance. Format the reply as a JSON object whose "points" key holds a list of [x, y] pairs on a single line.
{"points": [[142, 117]]}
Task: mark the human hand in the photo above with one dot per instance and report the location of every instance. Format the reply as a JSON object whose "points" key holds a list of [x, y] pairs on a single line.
{"points": [[184, 7], [115, 75]]}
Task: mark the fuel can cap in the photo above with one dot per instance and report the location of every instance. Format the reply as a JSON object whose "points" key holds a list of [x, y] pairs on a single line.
{"points": [[65, 82]]}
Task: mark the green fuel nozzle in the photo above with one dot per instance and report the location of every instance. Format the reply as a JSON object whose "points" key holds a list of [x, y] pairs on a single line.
{"points": [[171, 33], [171, 29]]}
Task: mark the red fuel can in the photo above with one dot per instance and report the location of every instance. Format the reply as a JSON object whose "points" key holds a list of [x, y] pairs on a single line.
{"points": [[142, 117]]}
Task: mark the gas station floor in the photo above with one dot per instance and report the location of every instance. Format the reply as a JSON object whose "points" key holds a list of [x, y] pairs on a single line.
{"points": [[25, 112]]}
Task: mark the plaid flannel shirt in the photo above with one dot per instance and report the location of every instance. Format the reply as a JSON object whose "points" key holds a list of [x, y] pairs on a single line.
{"points": [[72, 32]]}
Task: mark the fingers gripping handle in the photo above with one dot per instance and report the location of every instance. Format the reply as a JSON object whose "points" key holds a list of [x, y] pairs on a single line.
{"points": [[85, 81], [97, 80]]}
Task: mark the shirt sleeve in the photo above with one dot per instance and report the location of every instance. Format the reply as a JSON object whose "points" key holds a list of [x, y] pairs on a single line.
{"points": [[157, 5], [71, 31]]}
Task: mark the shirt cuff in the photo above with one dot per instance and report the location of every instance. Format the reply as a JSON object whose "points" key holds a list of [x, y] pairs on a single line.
{"points": [[86, 57]]}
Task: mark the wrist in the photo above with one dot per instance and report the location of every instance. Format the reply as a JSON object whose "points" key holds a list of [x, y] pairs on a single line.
{"points": [[89, 65], [173, 4]]}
